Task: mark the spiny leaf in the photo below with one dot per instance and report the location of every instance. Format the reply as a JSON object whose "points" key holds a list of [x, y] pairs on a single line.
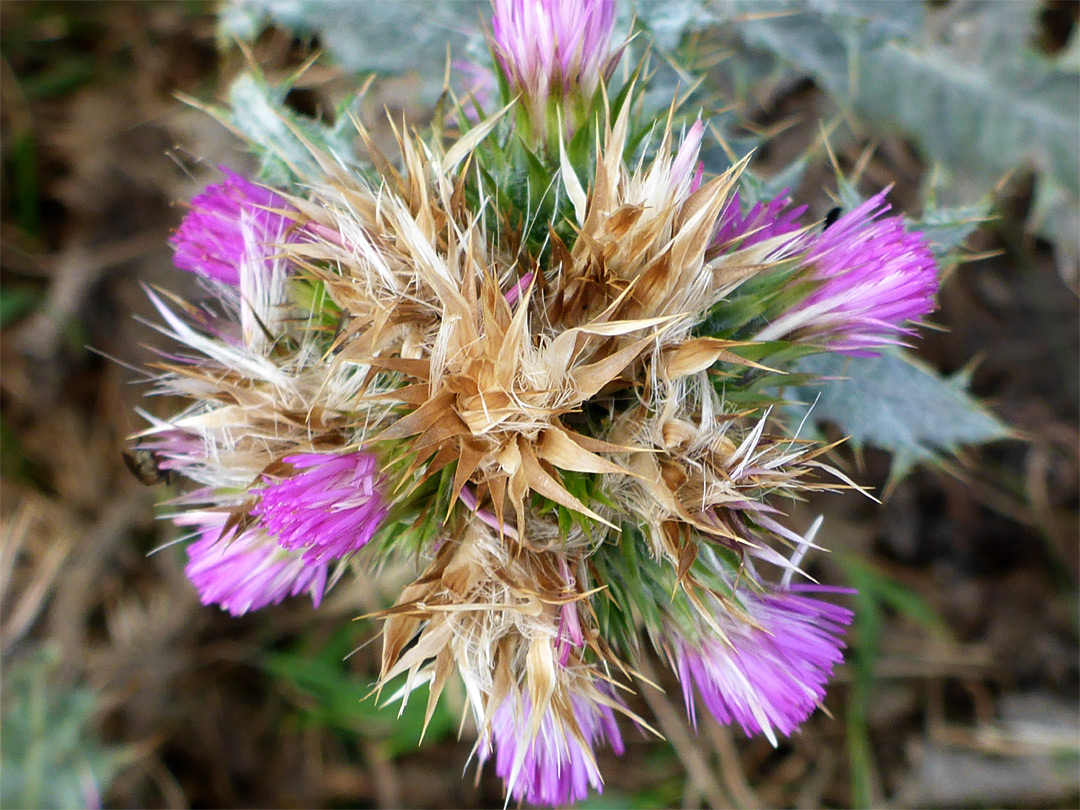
{"points": [[973, 95], [947, 228], [258, 111], [391, 37], [893, 402]]}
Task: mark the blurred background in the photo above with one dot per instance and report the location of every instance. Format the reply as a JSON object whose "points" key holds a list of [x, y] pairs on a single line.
{"points": [[119, 689]]}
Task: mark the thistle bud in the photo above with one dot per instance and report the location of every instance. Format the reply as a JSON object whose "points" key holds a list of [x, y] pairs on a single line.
{"points": [[555, 53]]}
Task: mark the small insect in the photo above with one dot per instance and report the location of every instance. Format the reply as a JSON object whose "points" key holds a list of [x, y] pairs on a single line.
{"points": [[145, 465], [831, 217]]}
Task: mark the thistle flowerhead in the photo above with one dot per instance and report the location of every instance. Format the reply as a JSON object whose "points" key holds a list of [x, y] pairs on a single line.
{"points": [[871, 281], [328, 504], [555, 53], [544, 383], [768, 672], [247, 570], [230, 225], [549, 758]]}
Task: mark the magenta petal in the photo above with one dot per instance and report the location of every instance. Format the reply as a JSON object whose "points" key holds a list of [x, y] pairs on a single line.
{"points": [[735, 230], [228, 224], [554, 768], [249, 571], [771, 676], [332, 504]]}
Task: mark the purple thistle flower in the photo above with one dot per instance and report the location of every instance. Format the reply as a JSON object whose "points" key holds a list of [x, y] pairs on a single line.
{"points": [[772, 675], [247, 571], [229, 224], [558, 765], [332, 508], [765, 220], [874, 277], [553, 48]]}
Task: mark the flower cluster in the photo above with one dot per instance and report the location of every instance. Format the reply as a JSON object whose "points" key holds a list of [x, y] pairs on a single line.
{"points": [[555, 396]]}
